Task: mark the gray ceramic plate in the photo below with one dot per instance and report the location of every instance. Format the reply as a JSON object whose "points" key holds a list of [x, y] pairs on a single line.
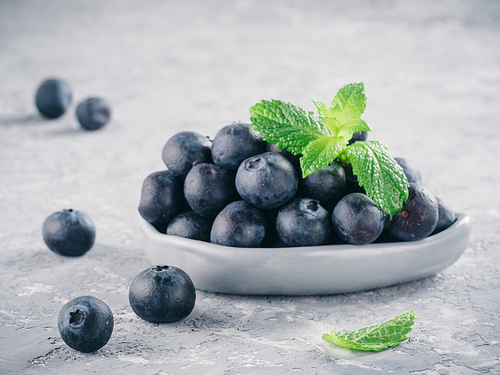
{"points": [[327, 269]]}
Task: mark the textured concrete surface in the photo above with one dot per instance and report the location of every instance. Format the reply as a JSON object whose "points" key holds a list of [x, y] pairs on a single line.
{"points": [[432, 76]]}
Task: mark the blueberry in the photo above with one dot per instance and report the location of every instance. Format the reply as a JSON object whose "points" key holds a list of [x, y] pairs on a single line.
{"points": [[161, 199], [446, 216], [208, 188], [239, 224], [234, 143], [357, 219], [53, 98], [69, 232], [85, 324], [190, 225], [413, 175], [359, 136], [326, 185], [303, 222], [352, 184], [162, 294], [93, 113], [184, 149], [418, 217], [294, 159], [267, 180]]}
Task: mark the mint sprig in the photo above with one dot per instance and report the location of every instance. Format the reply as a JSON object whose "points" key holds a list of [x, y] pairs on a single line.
{"points": [[322, 139], [376, 337]]}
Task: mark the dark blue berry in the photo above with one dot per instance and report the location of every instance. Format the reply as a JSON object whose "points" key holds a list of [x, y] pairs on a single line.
{"points": [[162, 294], [69, 232], [359, 136], [190, 225], [53, 98], [267, 180], [413, 175], [234, 143], [185, 149], [93, 113], [239, 224], [85, 324], [161, 199], [418, 217], [446, 216], [357, 219], [326, 185], [208, 188], [303, 222]]}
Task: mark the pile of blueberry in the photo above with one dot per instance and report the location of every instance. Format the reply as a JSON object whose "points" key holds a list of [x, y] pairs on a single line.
{"points": [[238, 190]]}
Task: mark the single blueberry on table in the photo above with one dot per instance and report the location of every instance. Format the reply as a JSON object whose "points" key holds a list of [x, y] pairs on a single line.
{"points": [[162, 294], [189, 224], [267, 180], [234, 143], [85, 324], [418, 217], [208, 188], [239, 224], [326, 185], [69, 232], [413, 175], [53, 97], [357, 219], [93, 113], [303, 222], [446, 216], [185, 149], [161, 199]]}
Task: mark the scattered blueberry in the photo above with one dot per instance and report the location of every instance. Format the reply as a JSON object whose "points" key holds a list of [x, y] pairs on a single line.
{"points": [[303, 222], [93, 113], [267, 180], [185, 149], [239, 224], [69, 232], [418, 217], [326, 185], [413, 175], [53, 98], [234, 143], [357, 219], [85, 324], [446, 216], [208, 188], [161, 199], [190, 225], [162, 294]]}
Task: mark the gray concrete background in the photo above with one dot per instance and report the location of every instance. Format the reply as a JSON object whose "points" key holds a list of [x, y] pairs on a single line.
{"points": [[432, 76]]}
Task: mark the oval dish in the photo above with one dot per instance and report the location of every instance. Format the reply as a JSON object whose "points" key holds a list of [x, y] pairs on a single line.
{"points": [[314, 270]]}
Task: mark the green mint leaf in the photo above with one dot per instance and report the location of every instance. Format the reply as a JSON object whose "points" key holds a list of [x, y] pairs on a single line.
{"points": [[343, 119], [381, 176], [320, 153], [285, 125], [376, 337]]}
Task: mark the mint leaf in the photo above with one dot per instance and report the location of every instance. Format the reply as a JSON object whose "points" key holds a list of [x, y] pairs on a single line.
{"points": [[381, 176], [376, 337], [343, 119], [320, 153], [285, 125], [321, 140]]}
